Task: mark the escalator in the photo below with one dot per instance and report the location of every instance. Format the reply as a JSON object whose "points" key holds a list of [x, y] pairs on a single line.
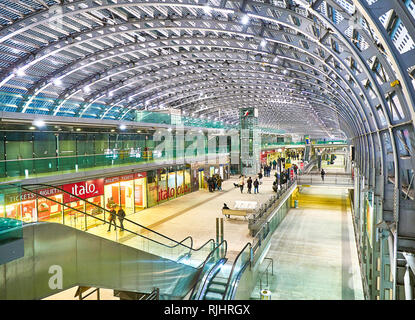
{"points": [[58, 257], [222, 280]]}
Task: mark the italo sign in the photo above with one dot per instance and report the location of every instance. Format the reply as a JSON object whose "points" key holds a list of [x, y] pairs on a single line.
{"points": [[164, 194], [83, 190]]}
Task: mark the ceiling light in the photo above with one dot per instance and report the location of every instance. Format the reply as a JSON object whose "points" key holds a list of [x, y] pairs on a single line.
{"points": [[20, 72], [78, 129], [87, 89], [112, 130], [245, 19], [263, 43], [123, 127], [32, 128], [57, 82], [39, 123]]}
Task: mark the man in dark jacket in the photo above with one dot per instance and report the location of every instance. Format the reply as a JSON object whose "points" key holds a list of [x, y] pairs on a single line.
{"points": [[249, 184], [121, 216], [256, 186]]}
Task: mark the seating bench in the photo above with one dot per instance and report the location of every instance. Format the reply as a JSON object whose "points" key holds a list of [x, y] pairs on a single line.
{"points": [[231, 212]]}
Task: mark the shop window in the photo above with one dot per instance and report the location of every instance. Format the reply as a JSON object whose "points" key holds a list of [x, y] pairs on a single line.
{"points": [[140, 194], [127, 196], [171, 184], [152, 188], [21, 207], [96, 215], [49, 207], [163, 194], [73, 214]]}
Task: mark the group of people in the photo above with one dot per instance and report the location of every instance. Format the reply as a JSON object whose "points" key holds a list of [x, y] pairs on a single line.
{"points": [[249, 183], [214, 183], [113, 217]]}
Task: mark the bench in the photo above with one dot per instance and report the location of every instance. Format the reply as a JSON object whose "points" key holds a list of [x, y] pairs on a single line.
{"points": [[229, 212]]}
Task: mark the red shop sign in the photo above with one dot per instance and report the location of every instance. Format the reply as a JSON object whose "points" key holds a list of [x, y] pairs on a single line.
{"points": [[49, 192], [140, 175], [111, 180], [84, 190], [127, 177], [15, 198]]}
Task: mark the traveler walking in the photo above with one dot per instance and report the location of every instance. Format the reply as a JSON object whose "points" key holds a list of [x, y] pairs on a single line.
{"points": [[241, 183], [260, 177], [275, 164], [256, 186], [323, 173], [112, 217], [121, 216], [249, 184], [219, 183]]}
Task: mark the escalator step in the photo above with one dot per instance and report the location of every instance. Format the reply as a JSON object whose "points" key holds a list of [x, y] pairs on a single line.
{"points": [[213, 296], [218, 280], [219, 288]]}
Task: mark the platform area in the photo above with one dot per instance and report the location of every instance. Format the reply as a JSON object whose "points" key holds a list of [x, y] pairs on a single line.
{"points": [[314, 250]]}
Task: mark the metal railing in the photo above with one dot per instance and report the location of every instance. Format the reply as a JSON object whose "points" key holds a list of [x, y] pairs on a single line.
{"points": [[242, 260], [175, 248], [334, 179], [258, 218], [266, 272]]}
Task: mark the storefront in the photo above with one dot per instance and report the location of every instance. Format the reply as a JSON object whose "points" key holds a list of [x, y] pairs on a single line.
{"points": [[134, 192], [119, 193], [93, 192], [21, 206], [140, 191], [49, 206]]}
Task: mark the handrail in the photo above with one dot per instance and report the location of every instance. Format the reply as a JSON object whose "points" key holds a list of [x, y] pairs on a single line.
{"points": [[233, 267], [219, 246], [266, 271], [128, 220]]}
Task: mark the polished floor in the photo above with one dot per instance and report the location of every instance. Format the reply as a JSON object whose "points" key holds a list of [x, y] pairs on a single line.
{"points": [[314, 250]]}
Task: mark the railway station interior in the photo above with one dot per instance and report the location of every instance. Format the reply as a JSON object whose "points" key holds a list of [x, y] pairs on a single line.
{"points": [[207, 150]]}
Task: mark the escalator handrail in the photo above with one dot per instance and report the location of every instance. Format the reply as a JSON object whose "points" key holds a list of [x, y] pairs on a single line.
{"points": [[223, 262], [225, 243], [97, 206], [233, 268]]}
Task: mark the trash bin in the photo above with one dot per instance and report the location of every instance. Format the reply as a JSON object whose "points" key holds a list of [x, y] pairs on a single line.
{"points": [[296, 203], [265, 294]]}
